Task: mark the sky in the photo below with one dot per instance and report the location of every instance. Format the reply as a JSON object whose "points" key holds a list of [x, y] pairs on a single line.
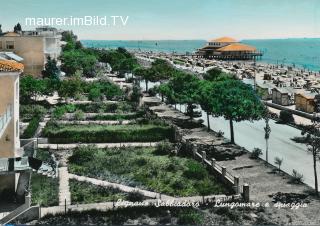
{"points": [[175, 19]]}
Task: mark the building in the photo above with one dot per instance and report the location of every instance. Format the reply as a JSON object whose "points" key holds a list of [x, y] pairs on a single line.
{"points": [[264, 90], [226, 48], [9, 119], [282, 96], [33, 46], [305, 102]]}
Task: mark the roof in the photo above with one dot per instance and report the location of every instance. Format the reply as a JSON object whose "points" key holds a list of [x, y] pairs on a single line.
{"points": [[10, 66], [11, 34], [10, 56], [223, 39], [236, 47], [265, 85], [308, 96], [284, 90]]}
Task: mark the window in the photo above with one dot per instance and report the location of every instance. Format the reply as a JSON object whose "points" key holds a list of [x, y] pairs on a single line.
{"points": [[17, 128], [0, 44], [17, 90], [10, 44]]}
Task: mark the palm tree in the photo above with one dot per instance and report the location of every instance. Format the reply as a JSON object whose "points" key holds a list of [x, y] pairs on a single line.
{"points": [[267, 131], [278, 161]]}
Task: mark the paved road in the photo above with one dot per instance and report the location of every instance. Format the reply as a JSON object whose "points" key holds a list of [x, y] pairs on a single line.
{"points": [[251, 135]]}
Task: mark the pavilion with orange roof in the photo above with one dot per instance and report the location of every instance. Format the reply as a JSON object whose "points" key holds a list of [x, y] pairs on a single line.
{"points": [[226, 48]]}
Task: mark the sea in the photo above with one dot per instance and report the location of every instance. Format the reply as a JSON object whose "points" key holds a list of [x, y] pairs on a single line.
{"points": [[303, 53]]}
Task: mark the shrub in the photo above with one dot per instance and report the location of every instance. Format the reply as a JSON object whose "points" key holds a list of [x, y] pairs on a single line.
{"points": [[32, 127], [189, 218], [27, 112], [255, 154], [94, 94], [301, 140], [297, 178], [163, 148], [195, 171], [59, 111], [135, 196], [79, 115], [286, 117]]}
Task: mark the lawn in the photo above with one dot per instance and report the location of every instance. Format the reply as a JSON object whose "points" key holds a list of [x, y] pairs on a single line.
{"points": [[58, 133], [143, 167], [83, 192], [44, 190]]}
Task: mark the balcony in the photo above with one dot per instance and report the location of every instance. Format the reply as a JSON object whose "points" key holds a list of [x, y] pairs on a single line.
{"points": [[5, 119]]}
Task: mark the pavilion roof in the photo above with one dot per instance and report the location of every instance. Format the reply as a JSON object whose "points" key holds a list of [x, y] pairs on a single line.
{"points": [[224, 39], [236, 47]]}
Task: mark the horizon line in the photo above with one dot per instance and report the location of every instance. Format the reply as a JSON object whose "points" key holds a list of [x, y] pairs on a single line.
{"points": [[245, 39]]}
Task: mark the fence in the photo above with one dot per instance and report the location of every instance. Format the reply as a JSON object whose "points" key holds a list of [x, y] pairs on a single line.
{"points": [[220, 171]]}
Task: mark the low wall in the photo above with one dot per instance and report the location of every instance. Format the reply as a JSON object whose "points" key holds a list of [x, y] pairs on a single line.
{"points": [[295, 112]]}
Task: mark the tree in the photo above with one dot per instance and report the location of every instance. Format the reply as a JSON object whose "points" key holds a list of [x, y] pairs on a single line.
{"points": [[74, 60], [267, 131], [51, 68], [236, 101], [163, 69], [165, 90], [144, 73], [17, 28], [0, 29], [278, 161], [312, 135], [185, 88], [71, 87], [127, 65], [205, 98], [30, 88], [215, 74]]}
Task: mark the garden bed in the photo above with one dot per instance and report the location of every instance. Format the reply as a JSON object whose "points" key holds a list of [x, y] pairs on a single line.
{"points": [[128, 216], [58, 133], [44, 190], [145, 168], [83, 193]]}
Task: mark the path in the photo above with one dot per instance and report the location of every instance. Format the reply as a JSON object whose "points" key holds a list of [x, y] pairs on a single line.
{"points": [[64, 189], [121, 187], [98, 145]]}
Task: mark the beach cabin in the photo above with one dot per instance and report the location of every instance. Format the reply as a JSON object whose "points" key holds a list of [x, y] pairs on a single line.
{"points": [[282, 96], [305, 102], [264, 90]]}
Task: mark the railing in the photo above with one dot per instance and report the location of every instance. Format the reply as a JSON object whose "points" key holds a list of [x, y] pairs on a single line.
{"points": [[219, 170], [5, 119]]}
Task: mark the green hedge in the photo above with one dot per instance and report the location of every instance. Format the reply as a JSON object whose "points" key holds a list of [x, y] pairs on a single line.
{"points": [[117, 116], [105, 134], [32, 128]]}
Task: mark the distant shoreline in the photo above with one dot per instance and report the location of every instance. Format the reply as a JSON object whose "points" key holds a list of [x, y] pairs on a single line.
{"points": [[303, 52]]}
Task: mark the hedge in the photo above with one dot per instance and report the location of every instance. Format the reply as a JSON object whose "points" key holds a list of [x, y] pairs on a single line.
{"points": [[105, 134], [32, 128], [118, 116]]}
